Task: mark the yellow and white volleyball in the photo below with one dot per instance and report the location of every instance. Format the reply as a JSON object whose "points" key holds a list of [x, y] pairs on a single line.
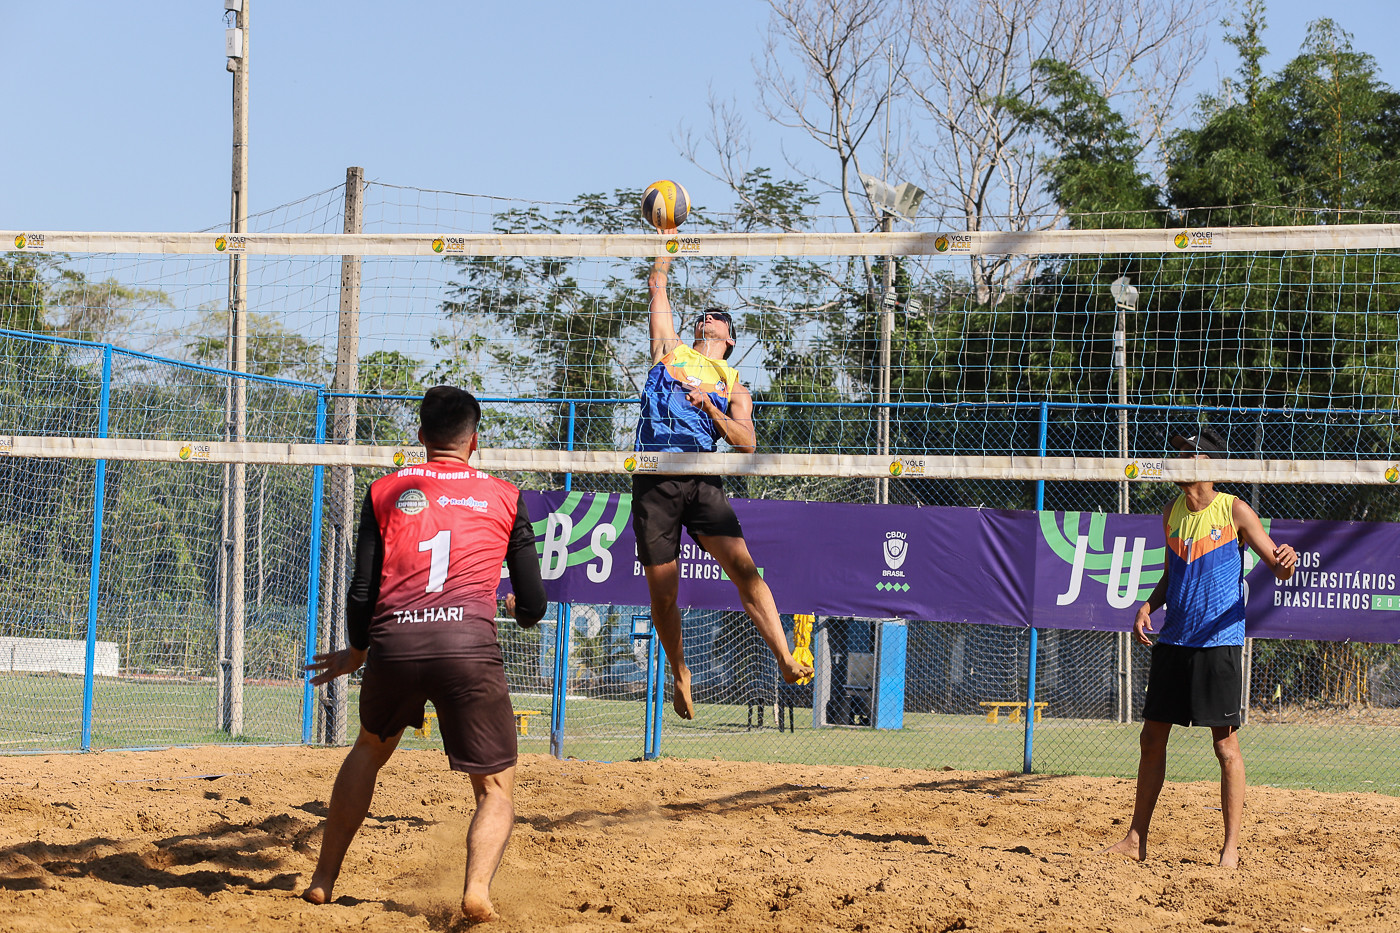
{"points": [[665, 204]]}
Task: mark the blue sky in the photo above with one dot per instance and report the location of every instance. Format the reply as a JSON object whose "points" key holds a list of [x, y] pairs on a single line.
{"points": [[117, 116]]}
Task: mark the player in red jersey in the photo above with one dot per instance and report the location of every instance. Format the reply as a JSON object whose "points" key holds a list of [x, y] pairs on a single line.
{"points": [[422, 608]]}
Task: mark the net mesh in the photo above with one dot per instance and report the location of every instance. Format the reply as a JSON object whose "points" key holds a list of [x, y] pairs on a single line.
{"points": [[1292, 354]]}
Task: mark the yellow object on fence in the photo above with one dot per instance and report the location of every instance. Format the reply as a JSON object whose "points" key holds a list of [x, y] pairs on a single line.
{"points": [[802, 641]]}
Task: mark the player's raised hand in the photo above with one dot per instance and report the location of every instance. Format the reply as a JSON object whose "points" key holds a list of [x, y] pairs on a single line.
{"points": [[1285, 559]]}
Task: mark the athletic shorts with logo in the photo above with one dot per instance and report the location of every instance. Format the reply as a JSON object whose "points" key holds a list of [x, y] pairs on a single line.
{"points": [[1194, 686], [662, 505]]}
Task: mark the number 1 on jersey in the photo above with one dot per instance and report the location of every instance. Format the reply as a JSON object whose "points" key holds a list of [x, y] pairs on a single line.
{"points": [[441, 546]]}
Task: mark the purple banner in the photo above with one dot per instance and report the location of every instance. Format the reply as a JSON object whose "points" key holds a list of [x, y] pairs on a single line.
{"points": [[1067, 570]]}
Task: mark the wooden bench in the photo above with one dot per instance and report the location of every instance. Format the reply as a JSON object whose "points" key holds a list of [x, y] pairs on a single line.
{"points": [[522, 722], [994, 708]]}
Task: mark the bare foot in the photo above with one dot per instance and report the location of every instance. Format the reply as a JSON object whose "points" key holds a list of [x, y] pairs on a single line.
{"points": [[477, 908], [792, 671], [1229, 857], [680, 697], [316, 894], [1131, 846]]}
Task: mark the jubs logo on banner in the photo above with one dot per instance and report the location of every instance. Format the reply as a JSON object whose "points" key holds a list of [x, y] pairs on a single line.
{"points": [[411, 501], [580, 532], [1127, 574]]}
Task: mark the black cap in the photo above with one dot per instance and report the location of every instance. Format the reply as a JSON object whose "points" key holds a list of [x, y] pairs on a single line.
{"points": [[1204, 440]]}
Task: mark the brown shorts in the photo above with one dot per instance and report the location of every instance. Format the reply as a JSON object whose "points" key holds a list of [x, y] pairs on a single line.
{"points": [[661, 505], [470, 697]]}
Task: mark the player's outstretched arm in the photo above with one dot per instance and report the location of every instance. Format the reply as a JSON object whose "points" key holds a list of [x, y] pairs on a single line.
{"points": [[662, 323], [1280, 558]]}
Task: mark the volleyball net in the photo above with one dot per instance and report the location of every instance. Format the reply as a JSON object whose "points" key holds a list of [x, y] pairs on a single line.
{"points": [[980, 370]]}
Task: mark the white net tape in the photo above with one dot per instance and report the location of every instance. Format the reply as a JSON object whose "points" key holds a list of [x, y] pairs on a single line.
{"points": [[850, 466], [1051, 242]]}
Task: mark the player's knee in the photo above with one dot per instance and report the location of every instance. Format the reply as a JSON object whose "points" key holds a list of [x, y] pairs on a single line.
{"points": [[744, 572], [1227, 752]]}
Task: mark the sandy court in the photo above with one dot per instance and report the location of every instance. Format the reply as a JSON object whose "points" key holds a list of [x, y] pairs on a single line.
{"points": [[222, 838]]}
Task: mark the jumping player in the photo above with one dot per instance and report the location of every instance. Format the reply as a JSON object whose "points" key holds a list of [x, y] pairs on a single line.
{"points": [[692, 398], [422, 608], [1196, 677]]}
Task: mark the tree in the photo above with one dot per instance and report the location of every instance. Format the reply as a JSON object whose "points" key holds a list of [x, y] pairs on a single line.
{"points": [[1093, 173], [554, 327], [826, 74], [97, 311], [1302, 146], [273, 350]]}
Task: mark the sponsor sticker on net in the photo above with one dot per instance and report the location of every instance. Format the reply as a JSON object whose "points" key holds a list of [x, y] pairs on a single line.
{"points": [[641, 463], [1199, 239]]}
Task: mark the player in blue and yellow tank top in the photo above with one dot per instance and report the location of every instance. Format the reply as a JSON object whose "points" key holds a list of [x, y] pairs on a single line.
{"points": [[692, 400], [1196, 677], [1205, 575], [671, 419]]}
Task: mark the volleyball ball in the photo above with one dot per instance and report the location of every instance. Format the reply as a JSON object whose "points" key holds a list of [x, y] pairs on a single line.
{"points": [[665, 204]]}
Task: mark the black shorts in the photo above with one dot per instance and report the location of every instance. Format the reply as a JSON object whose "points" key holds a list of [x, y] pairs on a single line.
{"points": [[662, 504], [1195, 686], [469, 694]]}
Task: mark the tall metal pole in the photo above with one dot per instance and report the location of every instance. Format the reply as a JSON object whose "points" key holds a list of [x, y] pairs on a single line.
{"points": [[342, 507], [1125, 645], [1033, 648], [882, 486], [235, 541]]}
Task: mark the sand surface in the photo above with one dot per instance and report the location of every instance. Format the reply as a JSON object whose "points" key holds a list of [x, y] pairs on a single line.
{"points": [[224, 839]]}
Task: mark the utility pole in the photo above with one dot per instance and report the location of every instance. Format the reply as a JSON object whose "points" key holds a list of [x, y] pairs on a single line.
{"points": [[236, 400], [342, 510]]}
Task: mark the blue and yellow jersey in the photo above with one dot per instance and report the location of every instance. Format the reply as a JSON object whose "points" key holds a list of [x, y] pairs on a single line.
{"points": [[669, 422], [1205, 576]]}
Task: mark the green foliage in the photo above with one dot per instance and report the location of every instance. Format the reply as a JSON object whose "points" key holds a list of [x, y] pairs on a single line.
{"points": [[1094, 177], [570, 331], [24, 291], [273, 350], [1309, 144]]}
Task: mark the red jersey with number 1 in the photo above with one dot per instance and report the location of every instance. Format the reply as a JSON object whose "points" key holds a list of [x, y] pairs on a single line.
{"points": [[446, 527]]}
